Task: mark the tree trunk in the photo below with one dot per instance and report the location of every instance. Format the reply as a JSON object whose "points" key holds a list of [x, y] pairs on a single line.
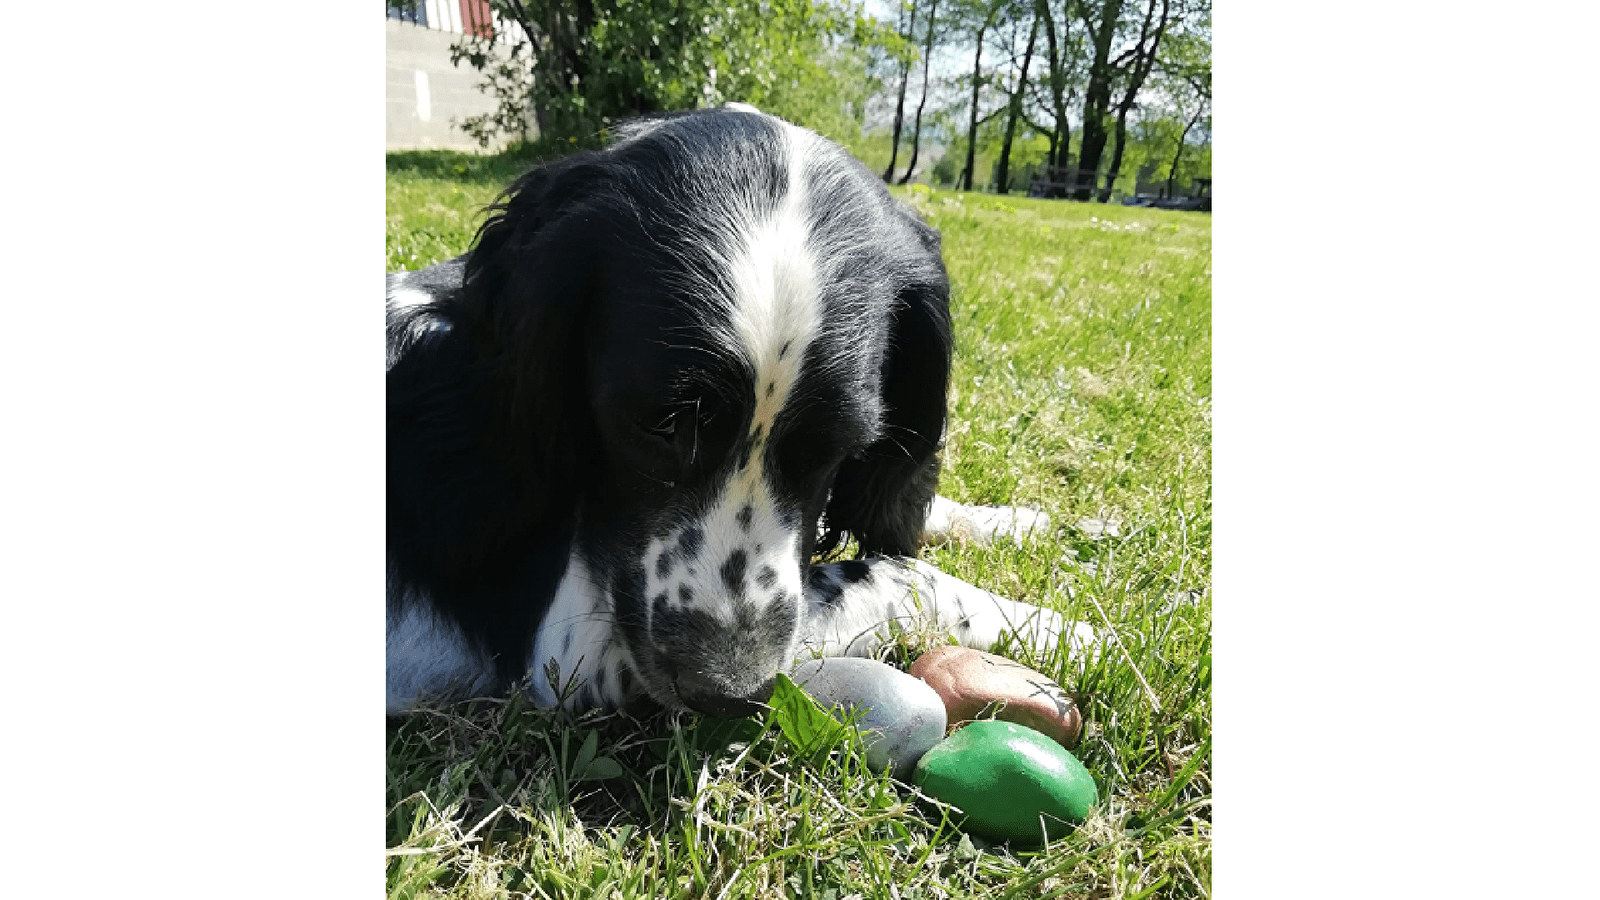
{"points": [[965, 183], [1003, 176], [1096, 96], [1116, 155], [1172, 173], [1058, 86], [1143, 60], [900, 105], [927, 63]]}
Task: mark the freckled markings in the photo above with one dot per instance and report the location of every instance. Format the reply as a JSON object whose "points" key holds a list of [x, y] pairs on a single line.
{"points": [[566, 642], [766, 576], [748, 446], [733, 573], [684, 594], [777, 621], [745, 513], [784, 350], [658, 606]]}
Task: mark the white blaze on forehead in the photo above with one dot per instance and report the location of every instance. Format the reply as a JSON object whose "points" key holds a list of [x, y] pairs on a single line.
{"points": [[775, 311]]}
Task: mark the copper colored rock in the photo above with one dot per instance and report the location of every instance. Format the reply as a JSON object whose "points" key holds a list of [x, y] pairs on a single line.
{"points": [[977, 685]]}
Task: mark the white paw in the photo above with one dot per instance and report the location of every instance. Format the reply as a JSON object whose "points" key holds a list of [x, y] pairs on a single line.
{"points": [[1044, 630], [949, 520]]}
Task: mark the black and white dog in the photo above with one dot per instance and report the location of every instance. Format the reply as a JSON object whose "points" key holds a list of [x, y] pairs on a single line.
{"points": [[668, 374]]}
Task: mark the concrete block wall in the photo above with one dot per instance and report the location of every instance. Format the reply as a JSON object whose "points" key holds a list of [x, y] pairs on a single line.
{"points": [[424, 92]]}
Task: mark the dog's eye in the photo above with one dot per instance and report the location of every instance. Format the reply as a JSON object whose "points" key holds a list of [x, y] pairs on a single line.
{"points": [[665, 429], [678, 430]]}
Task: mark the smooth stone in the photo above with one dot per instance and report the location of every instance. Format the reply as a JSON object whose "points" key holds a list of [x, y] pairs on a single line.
{"points": [[900, 716], [978, 685], [1006, 779]]}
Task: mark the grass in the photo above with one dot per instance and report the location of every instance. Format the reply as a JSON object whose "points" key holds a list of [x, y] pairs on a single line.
{"points": [[1081, 386]]}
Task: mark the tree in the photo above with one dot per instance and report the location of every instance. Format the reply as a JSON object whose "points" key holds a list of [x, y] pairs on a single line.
{"points": [[988, 11], [1108, 63], [580, 65], [1136, 64], [907, 35], [1100, 21], [927, 61], [1184, 68], [1057, 56], [1014, 112], [1202, 109]]}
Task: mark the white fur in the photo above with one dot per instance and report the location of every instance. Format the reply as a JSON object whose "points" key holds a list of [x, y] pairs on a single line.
{"points": [[912, 595], [949, 520], [399, 299], [577, 633], [427, 656], [402, 297]]}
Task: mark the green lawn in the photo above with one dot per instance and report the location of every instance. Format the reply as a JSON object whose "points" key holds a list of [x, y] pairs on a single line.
{"points": [[1082, 386]]}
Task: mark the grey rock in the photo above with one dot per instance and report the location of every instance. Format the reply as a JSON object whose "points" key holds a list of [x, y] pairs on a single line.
{"points": [[901, 717]]}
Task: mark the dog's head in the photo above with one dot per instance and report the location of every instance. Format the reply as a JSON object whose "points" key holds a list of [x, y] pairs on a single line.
{"points": [[700, 344]]}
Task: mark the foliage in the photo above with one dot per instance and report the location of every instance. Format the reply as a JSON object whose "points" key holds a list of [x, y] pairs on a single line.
{"points": [[1029, 150], [573, 67], [1065, 79], [568, 69]]}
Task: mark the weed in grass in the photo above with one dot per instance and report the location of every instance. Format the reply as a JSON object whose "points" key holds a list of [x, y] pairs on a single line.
{"points": [[1081, 386]]}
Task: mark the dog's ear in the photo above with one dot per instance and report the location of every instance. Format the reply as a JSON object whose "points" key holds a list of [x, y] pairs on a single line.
{"points": [[529, 282], [882, 499], [488, 441]]}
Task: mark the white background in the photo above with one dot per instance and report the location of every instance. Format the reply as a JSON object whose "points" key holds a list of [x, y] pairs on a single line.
{"points": [[1405, 483]]}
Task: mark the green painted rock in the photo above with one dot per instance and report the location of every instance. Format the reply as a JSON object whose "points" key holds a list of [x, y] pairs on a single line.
{"points": [[1005, 778]]}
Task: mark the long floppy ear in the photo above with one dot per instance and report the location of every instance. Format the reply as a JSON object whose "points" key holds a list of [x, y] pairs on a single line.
{"points": [[882, 499], [487, 441], [529, 279]]}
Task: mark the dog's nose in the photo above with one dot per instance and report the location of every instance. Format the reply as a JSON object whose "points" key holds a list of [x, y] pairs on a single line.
{"points": [[718, 697]]}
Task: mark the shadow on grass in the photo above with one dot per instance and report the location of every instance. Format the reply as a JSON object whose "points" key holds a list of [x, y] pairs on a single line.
{"points": [[478, 755], [497, 169]]}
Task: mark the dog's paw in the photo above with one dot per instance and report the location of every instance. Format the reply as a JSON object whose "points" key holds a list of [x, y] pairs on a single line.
{"points": [[1044, 630], [952, 521]]}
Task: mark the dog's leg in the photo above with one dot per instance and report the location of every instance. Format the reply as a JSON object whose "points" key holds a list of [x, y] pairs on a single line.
{"points": [[854, 607], [429, 659]]}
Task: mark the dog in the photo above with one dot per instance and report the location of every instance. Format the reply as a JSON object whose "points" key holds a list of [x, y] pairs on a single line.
{"points": [[667, 376]]}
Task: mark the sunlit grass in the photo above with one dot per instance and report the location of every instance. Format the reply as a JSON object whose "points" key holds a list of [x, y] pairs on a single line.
{"points": [[1082, 387]]}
